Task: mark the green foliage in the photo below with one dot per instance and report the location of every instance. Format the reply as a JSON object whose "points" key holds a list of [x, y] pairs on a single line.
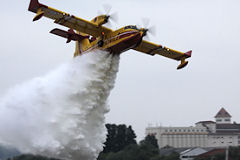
{"points": [[119, 136], [131, 152], [146, 150], [32, 157], [121, 145], [172, 156], [7, 152], [150, 146], [150, 140], [234, 153]]}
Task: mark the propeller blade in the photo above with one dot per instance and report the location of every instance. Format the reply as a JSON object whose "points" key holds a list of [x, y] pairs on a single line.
{"points": [[114, 17], [110, 17], [145, 22], [108, 24], [152, 30], [107, 8], [149, 30]]}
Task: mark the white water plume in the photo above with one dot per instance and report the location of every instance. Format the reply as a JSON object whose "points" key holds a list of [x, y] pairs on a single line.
{"points": [[61, 115]]}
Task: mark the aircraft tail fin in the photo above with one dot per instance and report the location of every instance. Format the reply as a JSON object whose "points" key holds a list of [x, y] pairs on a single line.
{"points": [[80, 46], [70, 35]]}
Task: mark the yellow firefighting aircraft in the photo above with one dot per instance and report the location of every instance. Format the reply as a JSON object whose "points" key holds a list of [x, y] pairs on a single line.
{"points": [[91, 35]]}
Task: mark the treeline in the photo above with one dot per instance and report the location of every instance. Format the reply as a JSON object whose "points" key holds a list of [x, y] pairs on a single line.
{"points": [[121, 144], [6, 152]]}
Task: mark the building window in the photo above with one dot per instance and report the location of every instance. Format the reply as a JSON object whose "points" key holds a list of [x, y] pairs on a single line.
{"points": [[219, 120], [238, 142], [238, 137], [227, 120]]}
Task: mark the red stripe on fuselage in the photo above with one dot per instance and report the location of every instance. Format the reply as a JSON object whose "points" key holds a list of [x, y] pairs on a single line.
{"points": [[127, 43], [126, 34]]}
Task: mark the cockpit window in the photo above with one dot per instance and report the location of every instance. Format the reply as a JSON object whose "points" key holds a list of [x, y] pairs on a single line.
{"points": [[131, 27]]}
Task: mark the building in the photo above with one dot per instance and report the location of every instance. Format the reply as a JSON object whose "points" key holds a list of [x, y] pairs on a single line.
{"points": [[192, 153], [221, 133], [212, 152]]}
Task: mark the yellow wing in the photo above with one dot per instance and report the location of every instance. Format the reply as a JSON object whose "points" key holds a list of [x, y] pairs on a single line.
{"points": [[66, 19], [152, 49]]}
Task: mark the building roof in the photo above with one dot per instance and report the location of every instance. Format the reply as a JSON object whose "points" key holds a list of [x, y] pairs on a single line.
{"points": [[228, 126], [223, 114], [193, 152], [206, 122], [169, 150], [212, 152], [227, 129]]}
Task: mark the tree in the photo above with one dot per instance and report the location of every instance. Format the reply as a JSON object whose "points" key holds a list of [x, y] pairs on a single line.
{"points": [[150, 146], [118, 137], [234, 153], [6, 152], [150, 139], [32, 157]]}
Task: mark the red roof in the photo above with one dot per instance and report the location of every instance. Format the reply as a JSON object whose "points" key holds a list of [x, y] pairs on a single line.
{"points": [[212, 152], [222, 113]]}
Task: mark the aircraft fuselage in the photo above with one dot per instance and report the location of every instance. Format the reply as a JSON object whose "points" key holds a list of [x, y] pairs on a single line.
{"points": [[118, 41]]}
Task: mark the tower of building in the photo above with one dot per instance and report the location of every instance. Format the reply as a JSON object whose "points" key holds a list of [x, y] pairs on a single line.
{"points": [[223, 117], [220, 133]]}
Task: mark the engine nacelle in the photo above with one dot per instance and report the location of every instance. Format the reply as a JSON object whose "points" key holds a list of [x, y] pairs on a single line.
{"points": [[100, 20]]}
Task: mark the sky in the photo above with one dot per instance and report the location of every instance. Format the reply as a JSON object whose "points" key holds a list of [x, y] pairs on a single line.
{"points": [[148, 90]]}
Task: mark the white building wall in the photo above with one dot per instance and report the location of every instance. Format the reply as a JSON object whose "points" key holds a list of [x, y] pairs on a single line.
{"points": [[198, 136], [222, 140], [179, 136]]}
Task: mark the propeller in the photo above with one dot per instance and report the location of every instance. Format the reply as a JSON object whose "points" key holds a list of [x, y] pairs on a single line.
{"points": [[147, 29], [110, 17]]}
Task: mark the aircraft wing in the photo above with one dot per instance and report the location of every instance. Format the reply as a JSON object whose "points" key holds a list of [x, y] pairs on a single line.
{"points": [[66, 19], [152, 49]]}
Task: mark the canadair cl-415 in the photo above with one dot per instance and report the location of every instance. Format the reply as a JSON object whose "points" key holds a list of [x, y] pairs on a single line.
{"points": [[92, 34]]}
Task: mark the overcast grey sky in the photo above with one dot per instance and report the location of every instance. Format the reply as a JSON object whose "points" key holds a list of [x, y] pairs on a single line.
{"points": [[148, 89]]}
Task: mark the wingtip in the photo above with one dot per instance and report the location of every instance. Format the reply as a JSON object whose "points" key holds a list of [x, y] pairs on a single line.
{"points": [[34, 5], [188, 54]]}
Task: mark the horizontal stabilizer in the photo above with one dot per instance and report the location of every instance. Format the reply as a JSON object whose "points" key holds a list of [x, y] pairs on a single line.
{"points": [[70, 35]]}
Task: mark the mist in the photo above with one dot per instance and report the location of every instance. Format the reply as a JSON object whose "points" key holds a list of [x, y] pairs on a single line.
{"points": [[61, 114]]}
